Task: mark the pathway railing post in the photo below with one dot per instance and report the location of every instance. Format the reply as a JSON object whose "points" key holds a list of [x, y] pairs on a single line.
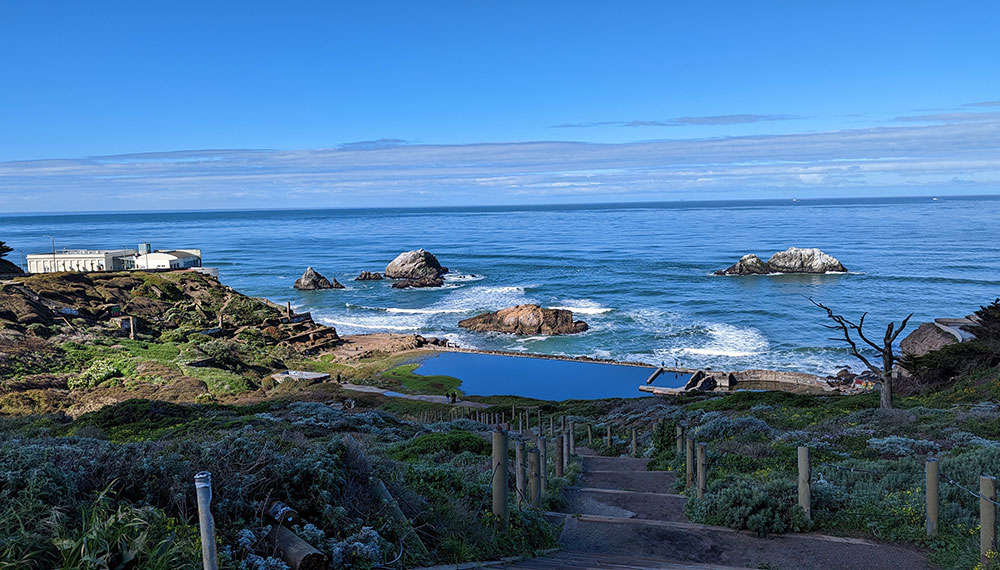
{"points": [[689, 464], [933, 488], [552, 427], [680, 440], [543, 461], [539, 422], [608, 438], [702, 477], [805, 475], [559, 455], [565, 452], [519, 473], [635, 447], [535, 479], [499, 465], [572, 438], [987, 519], [203, 490], [590, 434]]}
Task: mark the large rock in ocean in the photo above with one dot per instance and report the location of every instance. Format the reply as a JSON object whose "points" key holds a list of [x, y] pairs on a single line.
{"points": [[419, 264], [526, 320], [749, 264], [792, 260], [928, 337], [311, 280], [804, 260]]}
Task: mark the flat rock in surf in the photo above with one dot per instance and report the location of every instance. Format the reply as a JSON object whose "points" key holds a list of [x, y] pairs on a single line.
{"points": [[526, 320]]}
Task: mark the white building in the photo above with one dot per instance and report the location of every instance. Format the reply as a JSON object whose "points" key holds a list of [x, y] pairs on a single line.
{"points": [[79, 260], [113, 259]]}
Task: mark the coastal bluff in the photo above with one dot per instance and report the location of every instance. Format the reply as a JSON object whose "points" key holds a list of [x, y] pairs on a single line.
{"points": [[792, 260], [526, 320]]}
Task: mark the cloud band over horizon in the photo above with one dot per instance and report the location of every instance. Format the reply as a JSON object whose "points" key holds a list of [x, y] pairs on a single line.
{"points": [[959, 154]]}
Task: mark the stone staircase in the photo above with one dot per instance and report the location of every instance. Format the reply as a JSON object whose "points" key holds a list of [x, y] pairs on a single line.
{"points": [[623, 516]]}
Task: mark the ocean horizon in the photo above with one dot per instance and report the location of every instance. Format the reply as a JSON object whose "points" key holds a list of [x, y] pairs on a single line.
{"points": [[639, 273]]}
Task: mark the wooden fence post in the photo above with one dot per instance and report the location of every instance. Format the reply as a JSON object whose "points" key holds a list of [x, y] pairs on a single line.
{"points": [[805, 475], [635, 447], [987, 519], [543, 461], [689, 463], [539, 422], [499, 465], [552, 427], [609, 436], [702, 477], [572, 438], [680, 440], [521, 500], [559, 456], [933, 488], [535, 477], [565, 452], [590, 434]]}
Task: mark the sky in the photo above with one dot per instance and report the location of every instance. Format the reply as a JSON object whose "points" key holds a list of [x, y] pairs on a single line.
{"points": [[208, 105]]}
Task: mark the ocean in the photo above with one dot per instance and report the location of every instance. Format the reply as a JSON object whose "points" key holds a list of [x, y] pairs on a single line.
{"points": [[639, 274]]}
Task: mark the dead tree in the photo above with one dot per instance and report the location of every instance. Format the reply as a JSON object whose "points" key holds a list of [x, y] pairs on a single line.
{"points": [[889, 359]]}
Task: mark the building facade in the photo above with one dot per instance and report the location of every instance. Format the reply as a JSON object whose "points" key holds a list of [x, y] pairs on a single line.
{"points": [[85, 260]]}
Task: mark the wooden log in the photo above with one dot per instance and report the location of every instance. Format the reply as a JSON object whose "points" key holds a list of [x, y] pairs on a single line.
{"points": [[295, 552]]}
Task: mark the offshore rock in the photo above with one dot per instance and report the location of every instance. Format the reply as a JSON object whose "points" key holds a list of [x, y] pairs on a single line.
{"points": [[419, 264], [928, 337], [526, 320], [311, 280], [792, 260], [369, 276], [749, 264], [804, 260]]}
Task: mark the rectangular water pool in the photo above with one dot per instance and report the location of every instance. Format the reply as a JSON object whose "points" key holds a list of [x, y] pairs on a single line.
{"points": [[543, 378]]}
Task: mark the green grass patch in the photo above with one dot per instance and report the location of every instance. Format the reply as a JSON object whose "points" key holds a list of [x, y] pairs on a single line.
{"points": [[219, 381], [453, 442], [418, 383]]}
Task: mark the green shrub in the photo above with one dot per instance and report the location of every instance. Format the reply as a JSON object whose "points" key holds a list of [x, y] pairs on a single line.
{"points": [[746, 504], [454, 442]]}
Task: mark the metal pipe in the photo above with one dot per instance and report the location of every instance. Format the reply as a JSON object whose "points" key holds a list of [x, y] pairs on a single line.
{"points": [[203, 489]]}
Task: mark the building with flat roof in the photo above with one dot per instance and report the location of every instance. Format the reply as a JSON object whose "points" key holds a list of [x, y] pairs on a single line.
{"points": [[124, 259]]}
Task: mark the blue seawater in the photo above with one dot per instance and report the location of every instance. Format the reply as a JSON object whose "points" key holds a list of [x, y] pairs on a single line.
{"points": [[639, 274]]}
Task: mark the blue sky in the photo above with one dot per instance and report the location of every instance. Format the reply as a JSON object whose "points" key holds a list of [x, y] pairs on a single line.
{"points": [[249, 104]]}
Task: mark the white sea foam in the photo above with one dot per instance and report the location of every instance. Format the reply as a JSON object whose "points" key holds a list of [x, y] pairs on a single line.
{"points": [[424, 311], [530, 338], [374, 326], [463, 277], [728, 341], [582, 307]]}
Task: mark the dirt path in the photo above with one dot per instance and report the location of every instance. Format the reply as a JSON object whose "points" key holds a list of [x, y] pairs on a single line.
{"points": [[623, 516]]}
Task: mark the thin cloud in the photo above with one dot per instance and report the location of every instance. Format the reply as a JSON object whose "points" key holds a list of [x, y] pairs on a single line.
{"points": [[951, 117], [933, 156], [983, 104], [377, 143], [681, 121]]}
